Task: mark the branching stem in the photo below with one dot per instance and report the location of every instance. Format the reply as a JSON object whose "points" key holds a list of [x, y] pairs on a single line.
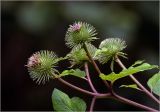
{"points": [[117, 97], [98, 95], [91, 85], [88, 77], [137, 82], [94, 64]]}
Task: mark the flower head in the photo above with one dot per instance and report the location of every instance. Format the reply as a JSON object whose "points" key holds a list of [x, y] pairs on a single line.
{"points": [[80, 33], [109, 48], [113, 44], [78, 55], [41, 66]]}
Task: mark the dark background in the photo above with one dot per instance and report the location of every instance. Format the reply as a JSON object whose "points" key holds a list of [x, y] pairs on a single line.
{"points": [[28, 27]]}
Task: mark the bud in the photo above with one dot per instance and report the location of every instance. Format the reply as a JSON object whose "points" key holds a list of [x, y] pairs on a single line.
{"points": [[80, 33], [41, 66], [109, 48], [113, 44], [78, 55]]}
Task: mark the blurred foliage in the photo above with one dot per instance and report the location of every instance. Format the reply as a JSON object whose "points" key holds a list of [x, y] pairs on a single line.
{"points": [[36, 16], [113, 18]]}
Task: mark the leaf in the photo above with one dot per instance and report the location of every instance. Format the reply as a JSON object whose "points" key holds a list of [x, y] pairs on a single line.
{"points": [[134, 86], [111, 77], [131, 70], [154, 83], [79, 73], [62, 102], [67, 72], [138, 62], [78, 104], [76, 72]]}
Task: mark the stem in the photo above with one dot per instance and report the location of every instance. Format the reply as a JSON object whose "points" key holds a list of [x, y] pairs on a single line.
{"points": [[127, 101], [91, 85], [98, 95], [92, 104], [88, 77], [94, 64], [137, 82]]}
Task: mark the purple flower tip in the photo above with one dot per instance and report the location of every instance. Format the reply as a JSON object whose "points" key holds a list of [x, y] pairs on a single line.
{"points": [[75, 27], [33, 61]]}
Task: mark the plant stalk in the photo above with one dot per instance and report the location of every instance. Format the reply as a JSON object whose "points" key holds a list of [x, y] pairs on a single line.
{"points": [[88, 77], [94, 64], [130, 102], [92, 104], [137, 82], [98, 95]]}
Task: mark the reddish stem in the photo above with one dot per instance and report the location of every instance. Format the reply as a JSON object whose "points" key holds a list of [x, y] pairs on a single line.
{"points": [[92, 104], [98, 95], [88, 77], [94, 64], [137, 82], [130, 102]]}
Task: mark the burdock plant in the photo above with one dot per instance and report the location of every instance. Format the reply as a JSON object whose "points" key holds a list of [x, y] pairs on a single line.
{"points": [[43, 65]]}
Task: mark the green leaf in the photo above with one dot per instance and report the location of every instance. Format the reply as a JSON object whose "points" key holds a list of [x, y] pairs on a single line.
{"points": [[62, 102], [111, 77], [76, 72], [67, 72], [134, 86], [154, 83], [131, 70], [79, 73], [138, 62], [78, 104]]}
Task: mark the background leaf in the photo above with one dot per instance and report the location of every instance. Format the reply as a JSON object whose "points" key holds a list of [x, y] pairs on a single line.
{"points": [[62, 102], [154, 83], [131, 70]]}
